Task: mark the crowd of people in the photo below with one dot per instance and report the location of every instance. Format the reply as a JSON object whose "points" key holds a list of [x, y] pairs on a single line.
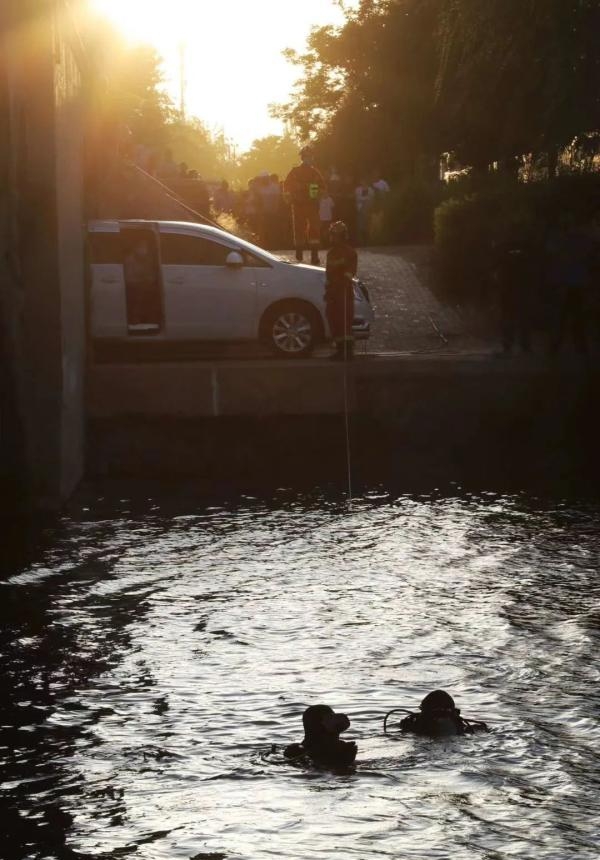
{"points": [[265, 207]]}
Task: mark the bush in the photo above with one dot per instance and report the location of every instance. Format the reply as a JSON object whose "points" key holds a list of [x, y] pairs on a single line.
{"points": [[468, 225], [405, 214], [464, 232]]}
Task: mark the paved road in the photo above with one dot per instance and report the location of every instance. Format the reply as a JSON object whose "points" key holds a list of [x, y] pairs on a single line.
{"points": [[409, 317]]}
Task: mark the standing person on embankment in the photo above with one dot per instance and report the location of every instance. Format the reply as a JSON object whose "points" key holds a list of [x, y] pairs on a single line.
{"points": [[342, 264], [305, 185]]}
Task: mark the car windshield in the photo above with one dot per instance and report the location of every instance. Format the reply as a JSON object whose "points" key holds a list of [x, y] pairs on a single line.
{"points": [[254, 249], [235, 242]]}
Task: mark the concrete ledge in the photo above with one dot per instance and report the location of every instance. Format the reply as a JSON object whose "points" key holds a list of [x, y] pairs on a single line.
{"points": [[416, 421], [203, 389], [288, 388], [319, 387], [151, 389]]}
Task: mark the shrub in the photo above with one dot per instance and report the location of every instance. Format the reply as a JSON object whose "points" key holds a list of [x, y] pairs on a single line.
{"points": [[464, 231], [467, 225], [405, 214]]}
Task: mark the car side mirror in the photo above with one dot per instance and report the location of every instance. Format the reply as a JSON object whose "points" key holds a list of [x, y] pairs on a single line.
{"points": [[234, 260]]}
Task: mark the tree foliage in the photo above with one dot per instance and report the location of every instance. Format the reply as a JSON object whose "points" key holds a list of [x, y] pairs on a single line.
{"points": [[517, 76], [403, 80], [191, 141], [125, 83], [370, 84], [275, 153], [127, 92]]}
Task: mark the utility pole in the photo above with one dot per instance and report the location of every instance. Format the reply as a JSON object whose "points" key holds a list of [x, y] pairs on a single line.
{"points": [[182, 80]]}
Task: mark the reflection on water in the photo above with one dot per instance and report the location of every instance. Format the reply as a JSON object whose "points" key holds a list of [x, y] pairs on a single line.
{"points": [[152, 656]]}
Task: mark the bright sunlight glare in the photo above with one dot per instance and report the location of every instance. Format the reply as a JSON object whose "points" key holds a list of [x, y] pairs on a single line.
{"points": [[233, 49]]}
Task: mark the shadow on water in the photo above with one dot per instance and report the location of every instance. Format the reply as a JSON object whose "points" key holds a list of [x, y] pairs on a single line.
{"points": [[46, 662]]}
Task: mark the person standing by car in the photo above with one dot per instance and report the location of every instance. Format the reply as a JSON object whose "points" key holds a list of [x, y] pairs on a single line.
{"points": [[269, 194], [223, 199], [305, 185], [342, 263], [251, 207]]}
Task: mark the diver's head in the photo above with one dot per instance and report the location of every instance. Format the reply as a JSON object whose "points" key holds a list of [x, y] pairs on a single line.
{"points": [[322, 723], [438, 703]]}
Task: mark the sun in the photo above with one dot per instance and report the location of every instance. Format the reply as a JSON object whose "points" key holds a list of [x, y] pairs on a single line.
{"points": [[146, 21], [233, 62]]}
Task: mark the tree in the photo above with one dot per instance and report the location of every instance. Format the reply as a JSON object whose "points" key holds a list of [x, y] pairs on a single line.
{"points": [[490, 80], [125, 83], [368, 88], [192, 142], [126, 92], [275, 153], [517, 77]]}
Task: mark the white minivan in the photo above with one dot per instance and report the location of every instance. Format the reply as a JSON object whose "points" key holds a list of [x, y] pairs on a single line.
{"points": [[184, 282]]}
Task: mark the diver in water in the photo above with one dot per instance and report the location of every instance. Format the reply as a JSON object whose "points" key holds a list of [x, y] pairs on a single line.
{"points": [[438, 717], [322, 744]]}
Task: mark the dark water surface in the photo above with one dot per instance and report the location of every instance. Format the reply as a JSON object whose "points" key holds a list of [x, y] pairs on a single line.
{"points": [[152, 654]]}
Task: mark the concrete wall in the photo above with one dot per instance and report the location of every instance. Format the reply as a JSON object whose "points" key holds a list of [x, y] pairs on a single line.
{"points": [[41, 238], [415, 422], [11, 419], [69, 135]]}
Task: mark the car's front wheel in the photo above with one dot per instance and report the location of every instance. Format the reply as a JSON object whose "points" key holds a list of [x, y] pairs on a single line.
{"points": [[291, 330]]}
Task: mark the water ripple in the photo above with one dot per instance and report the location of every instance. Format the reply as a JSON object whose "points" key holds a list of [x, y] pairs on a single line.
{"points": [[156, 663]]}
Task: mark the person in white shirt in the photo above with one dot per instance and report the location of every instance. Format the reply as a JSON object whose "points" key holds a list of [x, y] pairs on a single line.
{"points": [[364, 196], [381, 186], [326, 205]]}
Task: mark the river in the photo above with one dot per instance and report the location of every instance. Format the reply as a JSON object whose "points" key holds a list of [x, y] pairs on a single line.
{"points": [[158, 652]]}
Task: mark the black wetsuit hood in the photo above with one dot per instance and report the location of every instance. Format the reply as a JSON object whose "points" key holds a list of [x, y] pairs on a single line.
{"points": [[322, 728], [439, 717]]}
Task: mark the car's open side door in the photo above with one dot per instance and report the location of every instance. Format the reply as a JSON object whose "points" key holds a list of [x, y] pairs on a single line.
{"points": [[142, 279]]}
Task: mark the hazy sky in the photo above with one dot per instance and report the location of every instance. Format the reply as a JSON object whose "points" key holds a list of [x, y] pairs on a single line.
{"points": [[234, 64]]}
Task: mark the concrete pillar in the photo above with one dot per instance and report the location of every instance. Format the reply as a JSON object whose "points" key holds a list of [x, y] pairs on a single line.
{"points": [[12, 463], [43, 296]]}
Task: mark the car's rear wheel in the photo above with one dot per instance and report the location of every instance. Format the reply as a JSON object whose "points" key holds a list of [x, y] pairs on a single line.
{"points": [[291, 330]]}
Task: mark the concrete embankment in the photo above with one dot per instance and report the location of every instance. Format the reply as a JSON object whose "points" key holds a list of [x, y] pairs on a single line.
{"points": [[415, 421]]}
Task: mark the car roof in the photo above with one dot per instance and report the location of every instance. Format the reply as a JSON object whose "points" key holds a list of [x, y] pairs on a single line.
{"points": [[181, 227], [192, 227]]}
